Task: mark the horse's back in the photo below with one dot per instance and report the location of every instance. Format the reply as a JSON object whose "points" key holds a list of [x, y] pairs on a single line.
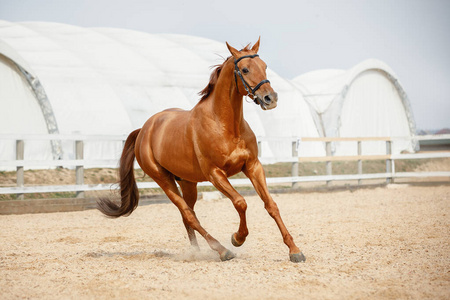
{"points": [[166, 128]]}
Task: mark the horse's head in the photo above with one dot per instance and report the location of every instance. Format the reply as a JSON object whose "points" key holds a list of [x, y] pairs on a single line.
{"points": [[250, 77]]}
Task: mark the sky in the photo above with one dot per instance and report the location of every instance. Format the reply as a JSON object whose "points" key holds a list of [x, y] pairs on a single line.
{"points": [[297, 36]]}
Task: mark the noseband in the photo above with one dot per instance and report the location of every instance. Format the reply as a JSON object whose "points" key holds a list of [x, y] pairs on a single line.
{"points": [[250, 91]]}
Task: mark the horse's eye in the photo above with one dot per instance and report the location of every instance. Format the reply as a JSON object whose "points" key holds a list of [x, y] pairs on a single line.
{"points": [[245, 70]]}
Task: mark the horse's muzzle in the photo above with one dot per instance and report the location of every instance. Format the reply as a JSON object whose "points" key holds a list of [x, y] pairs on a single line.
{"points": [[267, 101]]}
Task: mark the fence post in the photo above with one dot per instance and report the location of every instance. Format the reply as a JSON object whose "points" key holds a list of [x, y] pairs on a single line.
{"points": [[294, 168], [20, 147], [259, 149], [359, 162], [79, 171], [328, 165], [389, 179]]}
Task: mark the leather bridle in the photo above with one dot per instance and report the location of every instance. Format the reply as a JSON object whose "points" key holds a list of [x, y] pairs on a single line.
{"points": [[250, 91]]}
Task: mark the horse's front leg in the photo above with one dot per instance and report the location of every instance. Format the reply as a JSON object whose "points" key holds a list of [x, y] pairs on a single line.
{"points": [[255, 172], [219, 179]]}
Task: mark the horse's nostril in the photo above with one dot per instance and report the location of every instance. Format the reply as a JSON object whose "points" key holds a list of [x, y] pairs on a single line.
{"points": [[267, 99]]}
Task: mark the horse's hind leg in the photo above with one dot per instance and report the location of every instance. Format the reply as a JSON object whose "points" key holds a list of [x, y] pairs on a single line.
{"points": [[189, 190], [166, 181], [190, 218]]}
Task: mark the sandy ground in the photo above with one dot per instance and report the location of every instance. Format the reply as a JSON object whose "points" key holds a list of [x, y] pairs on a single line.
{"points": [[383, 243]]}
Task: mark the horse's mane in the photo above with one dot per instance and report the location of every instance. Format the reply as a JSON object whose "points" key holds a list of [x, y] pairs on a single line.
{"points": [[212, 81], [215, 76]]}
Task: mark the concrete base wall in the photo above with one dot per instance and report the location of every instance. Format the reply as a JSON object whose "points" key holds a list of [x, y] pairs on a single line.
{"points": [[34, 206]]}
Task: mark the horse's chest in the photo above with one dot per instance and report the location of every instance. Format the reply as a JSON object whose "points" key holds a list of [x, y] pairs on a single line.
{"points": [[234, 156]]}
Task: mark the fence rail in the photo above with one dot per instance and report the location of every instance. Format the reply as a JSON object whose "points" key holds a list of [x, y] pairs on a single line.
{"points": [[79, 163]]}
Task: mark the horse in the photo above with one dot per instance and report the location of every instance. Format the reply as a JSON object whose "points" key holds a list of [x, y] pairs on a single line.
{"points": [[211, 142]]}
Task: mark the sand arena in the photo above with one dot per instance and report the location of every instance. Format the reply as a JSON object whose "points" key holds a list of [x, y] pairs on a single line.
{"points": [[384, 243]]}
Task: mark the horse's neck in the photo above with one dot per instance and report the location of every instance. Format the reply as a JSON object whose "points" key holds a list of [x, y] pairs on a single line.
{"points": [[227, 104]]}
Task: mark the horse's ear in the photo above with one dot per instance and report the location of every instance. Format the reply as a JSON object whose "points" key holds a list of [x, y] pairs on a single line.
{"points": [[233, 51], [255, 47]]}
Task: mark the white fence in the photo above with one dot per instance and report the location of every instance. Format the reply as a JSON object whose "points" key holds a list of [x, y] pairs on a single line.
{"points": [[79, 163]]}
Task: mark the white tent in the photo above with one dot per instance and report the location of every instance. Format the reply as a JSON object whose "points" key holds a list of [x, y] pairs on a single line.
{"points": [[365, 101], [58, 78]]}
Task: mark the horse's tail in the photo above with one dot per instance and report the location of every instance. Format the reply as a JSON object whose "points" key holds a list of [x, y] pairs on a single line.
{"points": [[128, 188]]}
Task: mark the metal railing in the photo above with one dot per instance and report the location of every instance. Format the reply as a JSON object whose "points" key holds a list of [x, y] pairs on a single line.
{"points": [[79, 163]]}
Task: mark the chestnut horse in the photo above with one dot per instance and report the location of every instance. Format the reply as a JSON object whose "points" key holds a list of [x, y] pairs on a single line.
{"points": [[208, 143]]}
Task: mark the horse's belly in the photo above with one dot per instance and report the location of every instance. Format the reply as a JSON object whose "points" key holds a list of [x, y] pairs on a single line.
{"points": [[182, 165]]}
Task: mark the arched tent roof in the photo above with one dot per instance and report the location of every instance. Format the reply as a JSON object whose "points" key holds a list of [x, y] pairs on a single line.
{"points": [[110, 81], [366, 100]]}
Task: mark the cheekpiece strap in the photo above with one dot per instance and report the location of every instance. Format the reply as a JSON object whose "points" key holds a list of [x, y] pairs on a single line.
{"points": [[250, 91]]}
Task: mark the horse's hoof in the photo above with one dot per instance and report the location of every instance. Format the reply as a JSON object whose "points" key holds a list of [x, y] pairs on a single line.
{"points": [[297, 257], [234, 242], [227, 255]]}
